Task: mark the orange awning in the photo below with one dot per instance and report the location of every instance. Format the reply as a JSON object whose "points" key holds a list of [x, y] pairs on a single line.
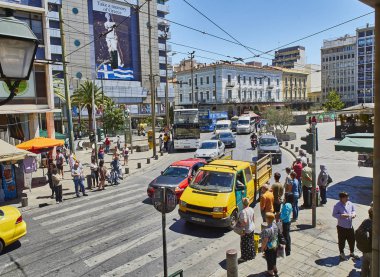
{"points": [[36, 144]]}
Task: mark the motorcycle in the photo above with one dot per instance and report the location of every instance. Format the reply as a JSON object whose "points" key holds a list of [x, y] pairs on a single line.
{"points": [[253, 143]]}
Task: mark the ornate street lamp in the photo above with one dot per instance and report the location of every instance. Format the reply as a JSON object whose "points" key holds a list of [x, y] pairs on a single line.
{"points": [[18, 46]]}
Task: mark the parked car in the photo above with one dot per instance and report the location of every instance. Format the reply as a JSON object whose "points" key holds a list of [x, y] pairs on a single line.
{"points": [[227, 137], [177, 176], [210, 150], [12, 226], [268, 144]]}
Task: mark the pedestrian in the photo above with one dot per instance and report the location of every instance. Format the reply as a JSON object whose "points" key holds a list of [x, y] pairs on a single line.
{"points": [[297, 168], [126, 155], [57, 185], [296, 193], [101, 153], [59, 162], [344, 212], [363, 237], [116, 170], [246, 221], [72, 160], [269, 242], [314, 120], [266, 201], [51, 167], [102, 175], [67, 155], [118, 143], [160, 142], [107, 143], [307, 185], [166, 140], [302, 156], [93, 154], [286, 212], [78, 177], [288, 181], [278, 191], [322, 182], [94, 172]]}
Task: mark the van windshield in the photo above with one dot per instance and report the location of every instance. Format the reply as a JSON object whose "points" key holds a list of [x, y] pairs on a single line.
{"points": [[213, 181], [243, 122], [221, 126], [268, 142]]}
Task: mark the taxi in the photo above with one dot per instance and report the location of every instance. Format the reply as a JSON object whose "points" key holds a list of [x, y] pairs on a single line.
{"points": [[12, 226]]}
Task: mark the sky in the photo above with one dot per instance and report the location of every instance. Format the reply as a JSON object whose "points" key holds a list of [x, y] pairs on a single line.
{"points": [[260, 24]]}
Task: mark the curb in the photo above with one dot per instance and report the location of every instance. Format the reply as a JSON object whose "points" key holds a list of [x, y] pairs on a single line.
{"points": [[290, 151]]}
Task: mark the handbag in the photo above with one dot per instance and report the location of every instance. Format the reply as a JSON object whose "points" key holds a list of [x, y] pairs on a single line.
{"points": [[281, 251], [329, 179], [238, 229]]}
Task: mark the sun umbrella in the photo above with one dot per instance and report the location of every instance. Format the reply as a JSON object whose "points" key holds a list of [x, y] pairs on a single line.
{"points": [[40, 144]]}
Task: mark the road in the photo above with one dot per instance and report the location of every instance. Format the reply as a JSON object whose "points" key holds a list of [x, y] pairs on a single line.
{"points": [[117, 232]]}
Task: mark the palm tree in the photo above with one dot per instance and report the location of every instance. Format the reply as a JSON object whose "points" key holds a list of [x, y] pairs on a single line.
{"points": [[82, 97]]}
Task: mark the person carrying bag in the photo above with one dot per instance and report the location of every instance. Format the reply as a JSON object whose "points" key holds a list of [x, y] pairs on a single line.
{"points": [[245, 227]]}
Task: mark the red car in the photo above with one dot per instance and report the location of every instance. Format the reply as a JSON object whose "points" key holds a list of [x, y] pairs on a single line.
{"points": [[177, 176]]}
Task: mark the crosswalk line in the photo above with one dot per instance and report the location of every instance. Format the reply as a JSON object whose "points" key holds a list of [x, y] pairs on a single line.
{"points": [[86, 200], [95, 217], [95, 209], [149, 257], [87, 245], [106, 255]]}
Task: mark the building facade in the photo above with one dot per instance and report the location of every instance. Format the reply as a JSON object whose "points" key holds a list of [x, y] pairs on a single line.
{"points": [[95, 30], [227, 85], [365, 62], [290, 57], [32, 109], [313, 84], [338, 60]]}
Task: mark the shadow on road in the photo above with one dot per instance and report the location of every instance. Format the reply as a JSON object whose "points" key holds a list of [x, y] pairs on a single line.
{"points": [[191, 229], [11, 248], [328, 261], [359, 188], [147, 201]]}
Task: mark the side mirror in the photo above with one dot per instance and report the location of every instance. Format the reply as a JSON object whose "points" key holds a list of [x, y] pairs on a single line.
{"points": [[189, 179], [162, 172]]}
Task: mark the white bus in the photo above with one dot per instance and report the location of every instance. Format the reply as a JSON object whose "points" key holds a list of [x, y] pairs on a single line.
{"points": [[186, 133]]}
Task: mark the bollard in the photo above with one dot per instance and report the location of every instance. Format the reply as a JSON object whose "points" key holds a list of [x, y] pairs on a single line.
{"points": [[292, 146], [232, 263], [138, 165], [286, 143], [296, 149], [24, 201], [127, 170], [162, 153], [156, 157], [89, 181], [148, 160]]}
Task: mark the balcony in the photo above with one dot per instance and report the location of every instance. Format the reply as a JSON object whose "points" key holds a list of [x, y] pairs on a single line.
{"points": [[162, 34], [161, 92], [56, 49], [55, 33], [163, 8], [161, 47], [162, 60], [163, 73], [53, 15], [162, 21], [230, 84]]}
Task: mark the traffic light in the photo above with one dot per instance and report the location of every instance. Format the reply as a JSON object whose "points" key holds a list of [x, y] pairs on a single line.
{"points": [[309, 143], [114, 60]]}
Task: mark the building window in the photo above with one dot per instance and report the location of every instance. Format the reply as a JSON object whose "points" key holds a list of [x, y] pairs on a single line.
{"points": [[207, 95], [196, 96], [189, 82], [207, 80], [244, 80], [229, 78], [190, 97], [213, 79], [238, 79], [56, 57], [196, 81], [261, 94], [58, 74], [180, 98], [54, 24], [250, 80], [201, 95], [255, 80], [229, 94], [261, 81], [214, 94], [250, 94], [53, 7], [278, 82], [201, 80], [268, 81], [180, 83]]}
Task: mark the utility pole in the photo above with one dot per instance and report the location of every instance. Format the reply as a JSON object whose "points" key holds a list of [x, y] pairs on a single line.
{"points": [[67, 93], [151, 79], [216, 94], [192, 79], [166, 30], [314, 177], [93, 113]]}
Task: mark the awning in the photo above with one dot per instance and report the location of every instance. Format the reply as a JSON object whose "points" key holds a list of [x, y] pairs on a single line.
{"points": [[359, 142], [364, 108], [37, 144], [8, 152]]}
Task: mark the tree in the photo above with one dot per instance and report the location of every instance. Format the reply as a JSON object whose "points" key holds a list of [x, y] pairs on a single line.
{"points": [[333, 102], [113, 117], [82, 98], [279, 119]]}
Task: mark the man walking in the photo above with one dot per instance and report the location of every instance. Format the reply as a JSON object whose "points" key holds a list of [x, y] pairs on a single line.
{"points": [[363, 237], [344, 212], [77, 173], [266, 201], [307, 184], [59, 162], [297, 168], [294, 189], [107, 142], [278, 191]]}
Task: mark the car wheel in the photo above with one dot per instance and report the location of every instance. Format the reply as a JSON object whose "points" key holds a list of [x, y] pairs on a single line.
{"points": [[233, 220], [1, 246], [279, 160]]}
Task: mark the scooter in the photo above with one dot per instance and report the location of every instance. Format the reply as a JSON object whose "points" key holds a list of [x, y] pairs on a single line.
{"points": [[253, 143]]}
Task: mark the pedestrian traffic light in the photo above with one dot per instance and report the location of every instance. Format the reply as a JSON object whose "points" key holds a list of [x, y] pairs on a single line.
{"points": [[308, 147], [114, 60]]}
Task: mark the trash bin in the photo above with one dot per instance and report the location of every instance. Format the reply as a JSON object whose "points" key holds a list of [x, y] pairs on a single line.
{"points": [[89, 181], [100, 133]]}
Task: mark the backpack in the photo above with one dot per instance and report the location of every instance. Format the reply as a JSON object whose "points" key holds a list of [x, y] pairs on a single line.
{"points": [[364, 242]]}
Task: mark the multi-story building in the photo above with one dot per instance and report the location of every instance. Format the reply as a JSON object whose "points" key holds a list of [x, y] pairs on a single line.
{"points": [[338, 58], [365, 62], [229, 86], [96, 29], [313, 84], [290, 57], [33, 107]]}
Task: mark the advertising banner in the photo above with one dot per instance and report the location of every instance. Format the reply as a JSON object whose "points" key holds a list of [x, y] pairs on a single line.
{"points": [[133, 109], [26, 89], [145, 109], [114, 20]]}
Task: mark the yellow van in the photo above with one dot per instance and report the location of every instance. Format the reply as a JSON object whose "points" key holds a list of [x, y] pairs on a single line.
{"points": [[214, 197]]}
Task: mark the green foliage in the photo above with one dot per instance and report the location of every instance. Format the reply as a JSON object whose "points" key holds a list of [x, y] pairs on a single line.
{"points": [[333, 102], [279, 119], [113, 117]]}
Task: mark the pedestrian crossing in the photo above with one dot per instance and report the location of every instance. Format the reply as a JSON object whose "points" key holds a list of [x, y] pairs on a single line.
{"points": [[116, 232]]}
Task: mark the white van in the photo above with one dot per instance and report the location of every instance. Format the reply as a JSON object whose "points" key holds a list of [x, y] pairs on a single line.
{"points": [[244, 125], [222, 125]]}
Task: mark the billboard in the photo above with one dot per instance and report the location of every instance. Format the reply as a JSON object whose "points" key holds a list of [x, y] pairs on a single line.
{"points": [[115, 24]]}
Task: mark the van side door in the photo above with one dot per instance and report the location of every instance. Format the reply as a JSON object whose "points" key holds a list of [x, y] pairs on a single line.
{"points": [[240, 189]]}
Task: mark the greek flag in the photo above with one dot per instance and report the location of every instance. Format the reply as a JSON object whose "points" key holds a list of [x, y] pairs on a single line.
{"points": [[106, 72]]}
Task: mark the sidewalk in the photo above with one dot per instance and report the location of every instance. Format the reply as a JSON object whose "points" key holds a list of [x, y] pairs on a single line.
{"points": [[315, 250], [40, 193]]}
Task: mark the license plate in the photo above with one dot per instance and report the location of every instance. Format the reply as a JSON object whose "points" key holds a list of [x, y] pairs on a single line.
{"points": [[198, 219], [186, 146]]}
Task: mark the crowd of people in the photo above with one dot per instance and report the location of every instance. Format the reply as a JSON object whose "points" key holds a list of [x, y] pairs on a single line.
{"points": [[279, 209]]}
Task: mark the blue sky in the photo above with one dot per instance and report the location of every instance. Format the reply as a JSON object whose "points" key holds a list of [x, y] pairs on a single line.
{"points": [[262, 24]]}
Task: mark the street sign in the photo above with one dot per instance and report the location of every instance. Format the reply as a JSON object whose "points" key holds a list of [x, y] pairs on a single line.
{"points": [[170, 200]]}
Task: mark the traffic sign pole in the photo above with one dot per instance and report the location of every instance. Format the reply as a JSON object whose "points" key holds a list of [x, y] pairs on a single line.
{"points": [[314, 179], [163, 213]]}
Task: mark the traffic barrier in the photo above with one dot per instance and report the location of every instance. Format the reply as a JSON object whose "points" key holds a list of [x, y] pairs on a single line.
{"points": [[148, 160], [156, 157], [296, 149], [127, 170], [162, 153], [138, 165], [292, 146], [232, 263], [286, 144]]}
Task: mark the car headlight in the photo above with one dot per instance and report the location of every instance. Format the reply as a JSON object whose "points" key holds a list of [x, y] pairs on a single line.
{"points": [[182, 203], [278, 151], [219, 209]]}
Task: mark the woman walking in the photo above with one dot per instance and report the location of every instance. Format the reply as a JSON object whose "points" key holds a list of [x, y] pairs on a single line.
{"points": [[269, 244], [94, 172], [101, 153], [322, 182], [286, 212], [102, 174], [246, 220], [57, 185]]}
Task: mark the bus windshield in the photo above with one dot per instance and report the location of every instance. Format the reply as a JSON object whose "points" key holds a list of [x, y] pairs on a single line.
{"points": [[186, 133], [243, 122], [213, 181], [185, 116]]}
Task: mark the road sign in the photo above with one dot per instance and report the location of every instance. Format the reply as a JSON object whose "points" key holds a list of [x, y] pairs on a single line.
{"points": [[170, 200]]}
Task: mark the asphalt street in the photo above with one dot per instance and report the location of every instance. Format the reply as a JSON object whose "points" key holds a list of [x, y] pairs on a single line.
{"points": [[117, 232]]}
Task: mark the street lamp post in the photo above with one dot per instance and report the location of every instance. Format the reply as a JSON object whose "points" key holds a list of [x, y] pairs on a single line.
{"points": [[166, 30], [18, 47]]}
